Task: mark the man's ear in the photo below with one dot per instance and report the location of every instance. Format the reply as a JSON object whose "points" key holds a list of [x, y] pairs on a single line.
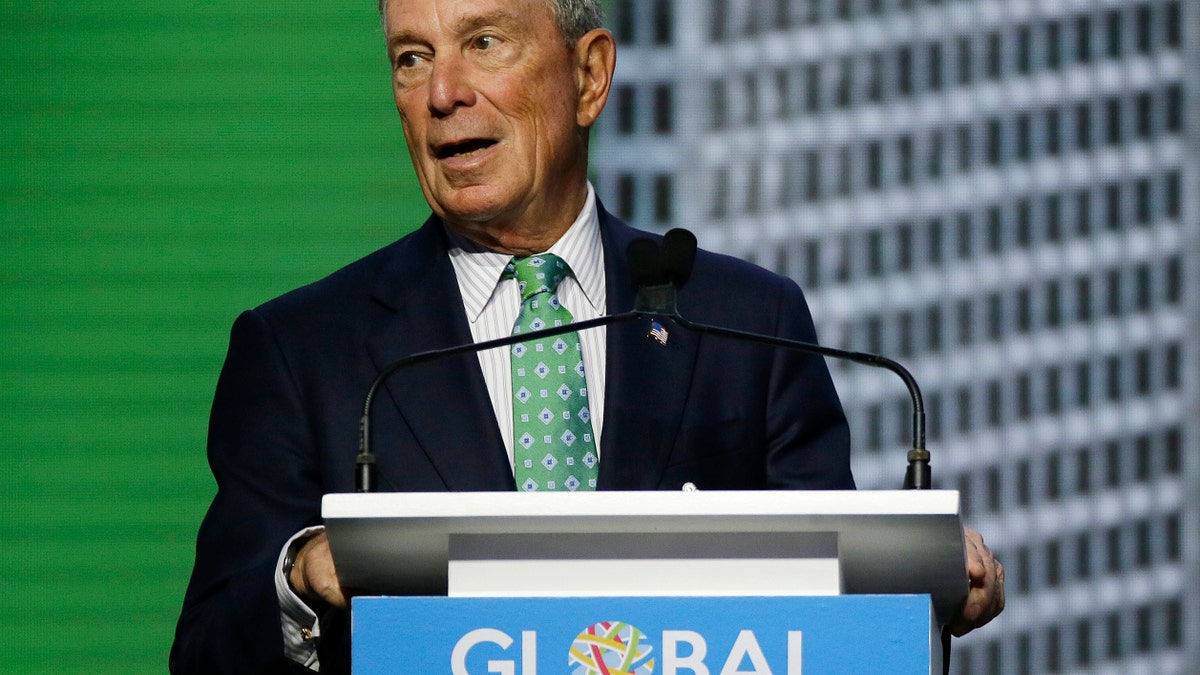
{"points": [[595, 62]]}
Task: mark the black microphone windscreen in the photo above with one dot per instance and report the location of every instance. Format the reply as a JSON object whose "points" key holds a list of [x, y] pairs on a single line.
{"points": [[678, 255], [645, 263]]}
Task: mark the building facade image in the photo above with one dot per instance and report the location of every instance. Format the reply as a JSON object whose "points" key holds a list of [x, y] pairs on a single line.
{"points": [[1004, 195]]}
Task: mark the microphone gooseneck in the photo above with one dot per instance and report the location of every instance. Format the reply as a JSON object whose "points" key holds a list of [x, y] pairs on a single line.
{"points": [[657, 273], [676, 258]]}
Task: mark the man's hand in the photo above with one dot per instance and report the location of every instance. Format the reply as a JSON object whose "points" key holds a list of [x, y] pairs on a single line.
{"points": [[986, 597], [313, 576]]}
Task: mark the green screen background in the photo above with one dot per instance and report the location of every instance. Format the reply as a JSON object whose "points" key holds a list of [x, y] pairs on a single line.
{"points": [[163, 165]]}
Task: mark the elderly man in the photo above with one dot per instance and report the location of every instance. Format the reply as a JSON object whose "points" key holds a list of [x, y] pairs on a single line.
{"points": [[496, 98]]}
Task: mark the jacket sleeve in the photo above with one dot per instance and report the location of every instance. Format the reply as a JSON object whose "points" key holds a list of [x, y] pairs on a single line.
{"points": [[262, 453], [808, 439]]}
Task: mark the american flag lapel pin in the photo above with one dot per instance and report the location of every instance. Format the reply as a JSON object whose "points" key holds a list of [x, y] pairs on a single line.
{"points": [[659, 333]]}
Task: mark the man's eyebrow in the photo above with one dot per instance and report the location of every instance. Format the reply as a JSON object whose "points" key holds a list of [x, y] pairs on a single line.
{"points": [[402, 37]]}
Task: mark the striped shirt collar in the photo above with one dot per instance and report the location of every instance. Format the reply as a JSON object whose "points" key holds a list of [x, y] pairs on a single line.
{"points": [[480, 269]]}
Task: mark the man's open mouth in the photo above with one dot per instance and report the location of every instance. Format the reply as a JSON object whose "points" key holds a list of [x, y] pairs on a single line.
{"points": [[464, 148]]}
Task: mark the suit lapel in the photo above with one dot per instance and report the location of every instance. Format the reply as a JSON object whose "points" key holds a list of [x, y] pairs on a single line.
{"points": [[647, 383], [444, 403]]}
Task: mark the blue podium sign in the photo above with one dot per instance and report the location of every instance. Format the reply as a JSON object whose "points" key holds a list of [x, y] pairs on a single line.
{"points": [[643, 636]]}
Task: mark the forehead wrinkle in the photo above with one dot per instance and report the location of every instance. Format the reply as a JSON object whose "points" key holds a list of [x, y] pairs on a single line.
{"points": [[497, 17], [464, 24]]}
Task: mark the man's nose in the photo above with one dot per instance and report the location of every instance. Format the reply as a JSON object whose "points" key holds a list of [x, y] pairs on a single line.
{"points": [[450, 85]]}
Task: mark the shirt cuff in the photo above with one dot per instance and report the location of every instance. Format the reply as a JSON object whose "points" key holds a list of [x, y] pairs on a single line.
{"points": [[301, 628]]}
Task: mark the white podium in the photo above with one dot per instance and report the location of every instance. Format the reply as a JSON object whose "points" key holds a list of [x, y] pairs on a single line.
{"points": [[763, 558]]}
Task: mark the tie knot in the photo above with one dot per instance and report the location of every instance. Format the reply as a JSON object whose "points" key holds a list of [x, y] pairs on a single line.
{"points": [[539, 273]]}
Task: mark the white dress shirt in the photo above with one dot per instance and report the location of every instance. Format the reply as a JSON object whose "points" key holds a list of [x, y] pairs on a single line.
{"points": [[491, 304]]}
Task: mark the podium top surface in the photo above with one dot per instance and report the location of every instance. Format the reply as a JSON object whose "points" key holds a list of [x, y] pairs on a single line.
{"points": [[792, 503], [887, 542]]}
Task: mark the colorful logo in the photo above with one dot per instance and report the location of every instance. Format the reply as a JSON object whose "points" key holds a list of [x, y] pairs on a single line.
{"points": [[611, 648]]}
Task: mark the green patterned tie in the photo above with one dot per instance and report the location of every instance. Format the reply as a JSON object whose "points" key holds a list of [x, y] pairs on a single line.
{"points": [[554, 448]]}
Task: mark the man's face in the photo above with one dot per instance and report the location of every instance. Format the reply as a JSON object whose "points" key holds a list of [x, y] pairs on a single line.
{"points": [[489, 96]]}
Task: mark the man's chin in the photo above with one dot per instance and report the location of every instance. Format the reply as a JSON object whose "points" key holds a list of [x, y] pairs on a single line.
{"points": [[476, 206]]}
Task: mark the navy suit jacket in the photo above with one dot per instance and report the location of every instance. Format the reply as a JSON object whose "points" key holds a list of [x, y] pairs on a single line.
{"points": [[721, 414]]}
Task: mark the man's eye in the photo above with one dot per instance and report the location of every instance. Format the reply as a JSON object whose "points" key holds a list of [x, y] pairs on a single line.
{"points": [[486, 42], [408, 60]]}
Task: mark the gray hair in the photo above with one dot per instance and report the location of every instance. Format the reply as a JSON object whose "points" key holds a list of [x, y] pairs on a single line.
{"points": [[574, 17]]}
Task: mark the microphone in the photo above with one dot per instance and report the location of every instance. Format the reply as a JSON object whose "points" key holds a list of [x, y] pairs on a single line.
{"points": [[657, 273], [674, 262]]}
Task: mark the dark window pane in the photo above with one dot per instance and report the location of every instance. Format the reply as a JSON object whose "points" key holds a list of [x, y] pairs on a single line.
{"points": [[1174, 281], [718, 104], [1053, 132], [1054, 218], [1083, 127], [1173, 22], [1112, 368], [1173, 451], [1024, 137], [1024, 49], [995, 142], [904, 247], [1174, 627], [1054, 396], [1113, 131], [1053, 650], [1145, 116], [1112, 630], [904, 67], [718, 27], [1113, 26], [1112, 207], [626, 95], [904, 159], [1083, 39], [935, 66], [1143, 459], [1053, 477], [1144, 630], [626, 197], [1083, 556], [1083, 643], [1142, 551], [664, 109], [1083, 213], [1145, 28], [965, 155], [1173, 196], [1174, 109], [1172, 367], [874, 165], [1083, 385], [664, 199], [624, 21], [1173, 536], [1083, 299], [963, 64], [1112, 550], [1112, 464], [1024, 479], [1142, 203], [1053, 45], [994, 63], [1053, 564]]}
